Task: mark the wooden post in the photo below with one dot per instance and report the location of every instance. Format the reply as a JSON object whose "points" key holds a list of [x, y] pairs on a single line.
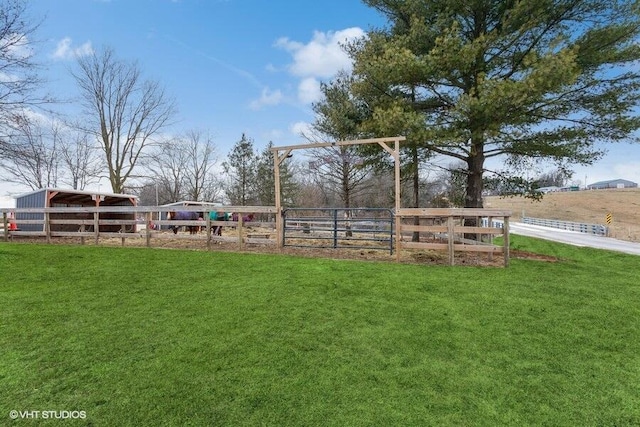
{"points": [[506, 243], [5, 221], [396, 161], [240, 240], [96, 226], [47, 226], [96, 217], [395, 152], [489, 225], [148, 217], [208, 219], [276, 177], [277, 161], [451, 239]]}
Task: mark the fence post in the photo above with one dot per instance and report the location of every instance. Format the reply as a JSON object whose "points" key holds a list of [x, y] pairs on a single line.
{"points": [[506, 243], [96, 226], [282, 235], [5, 230], [490, 225], [335, 228], [391, 220], [47, 225], [5, 221], [240, 221], [148, 217], [450, 239], [208, 219], [398, 229]]}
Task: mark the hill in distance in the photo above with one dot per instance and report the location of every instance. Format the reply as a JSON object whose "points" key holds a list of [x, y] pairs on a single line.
{"points": [[588, 206]]}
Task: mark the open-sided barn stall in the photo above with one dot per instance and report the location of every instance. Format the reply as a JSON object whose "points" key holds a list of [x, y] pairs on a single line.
{"points": [[60, 198]]}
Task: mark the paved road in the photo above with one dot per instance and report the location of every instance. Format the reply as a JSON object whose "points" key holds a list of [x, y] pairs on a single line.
{"points": [[574, 238]]}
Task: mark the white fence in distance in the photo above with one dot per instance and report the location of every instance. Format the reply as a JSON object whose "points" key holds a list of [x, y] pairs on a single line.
{"points": [[597, 229]]}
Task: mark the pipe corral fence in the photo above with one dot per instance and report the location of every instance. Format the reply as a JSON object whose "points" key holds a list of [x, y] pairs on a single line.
{"points": [[331, 228], [450, 230]]}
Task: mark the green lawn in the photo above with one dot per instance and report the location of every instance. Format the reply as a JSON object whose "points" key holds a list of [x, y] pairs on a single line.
{"points": [[136, 337]]}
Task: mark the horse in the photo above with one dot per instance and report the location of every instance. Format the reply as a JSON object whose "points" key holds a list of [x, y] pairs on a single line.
{"points": [[245, 218], [218, 216], [185, 216]]}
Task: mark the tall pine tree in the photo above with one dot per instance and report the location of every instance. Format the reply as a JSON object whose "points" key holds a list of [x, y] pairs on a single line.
{"points": [[515, 80], [241, 170]]}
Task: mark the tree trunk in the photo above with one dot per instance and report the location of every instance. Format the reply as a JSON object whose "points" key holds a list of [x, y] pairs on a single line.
{"points": [[473, 197], [475, 168], [416, 190]]}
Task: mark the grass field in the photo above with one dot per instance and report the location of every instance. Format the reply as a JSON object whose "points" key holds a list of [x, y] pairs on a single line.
{"points": [[134, 337]]}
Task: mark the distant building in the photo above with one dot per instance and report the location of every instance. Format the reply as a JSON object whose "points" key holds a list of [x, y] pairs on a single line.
{"points": [[613, 183]]}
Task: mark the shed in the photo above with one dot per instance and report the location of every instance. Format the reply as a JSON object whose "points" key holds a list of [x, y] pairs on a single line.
{"points": [[613, 183], [57, 197]]}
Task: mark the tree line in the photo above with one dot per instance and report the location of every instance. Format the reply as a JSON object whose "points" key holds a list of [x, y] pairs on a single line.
{"points": [[530, 84]]}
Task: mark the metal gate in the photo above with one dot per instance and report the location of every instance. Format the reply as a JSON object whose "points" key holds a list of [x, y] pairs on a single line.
{"points": [[330, 228]]}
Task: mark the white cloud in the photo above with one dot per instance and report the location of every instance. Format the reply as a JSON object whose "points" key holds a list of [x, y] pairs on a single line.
{"points": [[301, 128], [267, 97], [309, 90], [321, 58], [65, 50]]}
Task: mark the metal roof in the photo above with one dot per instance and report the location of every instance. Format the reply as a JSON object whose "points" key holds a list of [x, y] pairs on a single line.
{"points": [[75, 197]]}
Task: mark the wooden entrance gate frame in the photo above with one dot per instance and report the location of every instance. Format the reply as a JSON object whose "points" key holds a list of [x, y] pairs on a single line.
{"points": [[383, 142]]}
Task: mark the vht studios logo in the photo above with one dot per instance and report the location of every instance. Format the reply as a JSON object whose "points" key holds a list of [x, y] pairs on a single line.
{"points": [[50, 415]]}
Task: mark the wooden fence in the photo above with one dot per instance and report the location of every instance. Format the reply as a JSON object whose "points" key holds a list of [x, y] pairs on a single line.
{"points": [[454, 230], [133, 222], [450, 230]]}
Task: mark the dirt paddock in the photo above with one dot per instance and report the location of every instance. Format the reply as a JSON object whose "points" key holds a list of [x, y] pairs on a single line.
{"points": [[409, 256]]}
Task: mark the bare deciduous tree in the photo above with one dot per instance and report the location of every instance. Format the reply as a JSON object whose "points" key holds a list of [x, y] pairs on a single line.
{"points": [[78, 154], [19, 79], [124, 111], [182, 168], [201, 183], [32, 157]]}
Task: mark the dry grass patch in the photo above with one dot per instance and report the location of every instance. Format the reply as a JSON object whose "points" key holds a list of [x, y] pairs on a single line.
{"points": [[581, 206]]}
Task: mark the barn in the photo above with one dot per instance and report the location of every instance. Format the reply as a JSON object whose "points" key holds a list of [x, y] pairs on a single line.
{"points": [[613, 183], [57, 198]]}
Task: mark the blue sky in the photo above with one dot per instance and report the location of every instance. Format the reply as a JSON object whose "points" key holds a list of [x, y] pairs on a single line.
{"points": [[233, 66]]}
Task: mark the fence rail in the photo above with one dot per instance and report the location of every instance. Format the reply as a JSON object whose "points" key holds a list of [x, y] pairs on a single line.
{"points": [[455, 230], [137, 222], [598, 229], [451, 230]]}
